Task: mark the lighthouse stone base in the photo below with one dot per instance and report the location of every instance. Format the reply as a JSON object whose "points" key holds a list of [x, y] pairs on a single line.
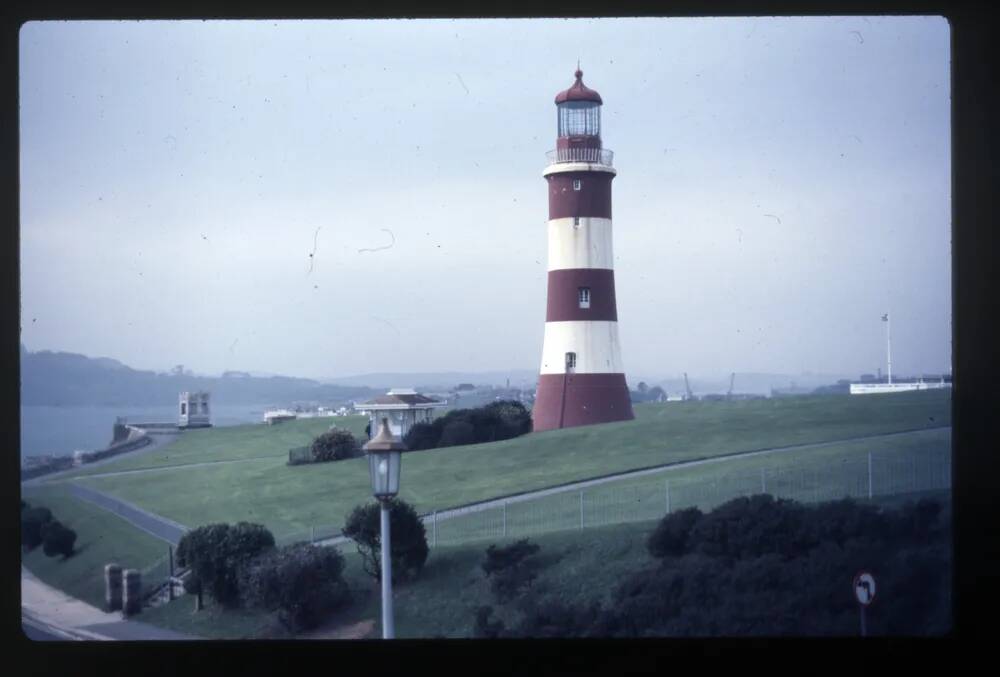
{"points": [[568, 400]]}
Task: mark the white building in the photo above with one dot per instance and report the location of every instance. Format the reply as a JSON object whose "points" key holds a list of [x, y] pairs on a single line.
{"points": [[872, 388], [404, 407], [194, 411]]}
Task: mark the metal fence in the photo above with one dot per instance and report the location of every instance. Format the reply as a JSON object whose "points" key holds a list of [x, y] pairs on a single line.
{"points": [[860, 476], [864, 476]]}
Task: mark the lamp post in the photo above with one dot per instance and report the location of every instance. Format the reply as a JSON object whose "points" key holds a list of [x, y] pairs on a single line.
{"points": [[384, 451]]}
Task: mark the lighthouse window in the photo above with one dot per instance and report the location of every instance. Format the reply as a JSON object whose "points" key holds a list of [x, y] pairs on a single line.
{"points": [[579, 118], [570, 360], [183, 408], [584, 296], [577, 184]]}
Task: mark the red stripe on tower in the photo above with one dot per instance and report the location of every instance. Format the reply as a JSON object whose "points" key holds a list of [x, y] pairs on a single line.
{"points": [[582, 380]]}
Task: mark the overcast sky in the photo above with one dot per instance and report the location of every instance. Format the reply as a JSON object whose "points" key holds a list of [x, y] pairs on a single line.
{"points": [[781, 184]]}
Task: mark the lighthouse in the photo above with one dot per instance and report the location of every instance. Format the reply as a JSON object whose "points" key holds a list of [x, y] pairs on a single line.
{"points": [[582, 380]]}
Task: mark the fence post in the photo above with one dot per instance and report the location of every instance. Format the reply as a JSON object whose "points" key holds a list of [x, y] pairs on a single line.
{"points": [[869, 475], [581, 508], [763, 482], [170, 576], [505, 519], [434, 529], [666, 489]]}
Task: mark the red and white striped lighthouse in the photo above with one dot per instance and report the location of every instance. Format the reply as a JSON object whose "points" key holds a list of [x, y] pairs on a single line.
{"points": [[582, 380]]}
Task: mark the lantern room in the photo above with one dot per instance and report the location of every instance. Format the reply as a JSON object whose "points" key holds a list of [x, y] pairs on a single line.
{"points": [[578, 121]]}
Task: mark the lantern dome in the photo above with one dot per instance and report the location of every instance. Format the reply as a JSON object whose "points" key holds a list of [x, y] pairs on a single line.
{"points": [[578, 92]]}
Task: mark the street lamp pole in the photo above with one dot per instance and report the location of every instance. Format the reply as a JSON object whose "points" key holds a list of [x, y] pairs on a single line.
{"points": [[384, 452], [388, 622]]}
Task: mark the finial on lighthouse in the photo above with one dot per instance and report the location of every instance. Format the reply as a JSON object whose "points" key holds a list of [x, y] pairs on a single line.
{"points": [[579, 73]]}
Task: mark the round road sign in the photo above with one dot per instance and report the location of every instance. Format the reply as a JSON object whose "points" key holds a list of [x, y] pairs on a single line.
{"points": [[864, 588]]}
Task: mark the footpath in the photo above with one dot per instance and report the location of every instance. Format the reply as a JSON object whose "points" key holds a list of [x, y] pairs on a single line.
{"points": [[51, 614]]}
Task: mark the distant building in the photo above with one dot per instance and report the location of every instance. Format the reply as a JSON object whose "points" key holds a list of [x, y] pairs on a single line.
{"points": [[194, 412], [404, 407], [899, 386]]}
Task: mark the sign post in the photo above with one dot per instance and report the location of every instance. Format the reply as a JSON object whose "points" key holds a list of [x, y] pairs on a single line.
{"points": [[864, 592]]}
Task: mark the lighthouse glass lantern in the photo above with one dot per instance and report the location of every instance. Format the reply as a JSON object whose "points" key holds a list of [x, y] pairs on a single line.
{"points": [[579, 118], [384, 455]]}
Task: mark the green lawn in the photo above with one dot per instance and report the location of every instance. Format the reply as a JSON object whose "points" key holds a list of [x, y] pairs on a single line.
{"points": [[900, 464], [231, 443], [101, 538], [290, 499]]}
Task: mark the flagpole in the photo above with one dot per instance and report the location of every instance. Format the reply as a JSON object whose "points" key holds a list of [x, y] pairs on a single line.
{"points": [[888, 344]]}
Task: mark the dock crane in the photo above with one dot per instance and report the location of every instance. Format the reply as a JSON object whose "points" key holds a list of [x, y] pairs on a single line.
{"points": [[732, 377], [687, 386]]}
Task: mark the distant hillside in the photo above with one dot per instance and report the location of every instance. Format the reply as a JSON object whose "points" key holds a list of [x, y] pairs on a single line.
{"points": [[446, 379], [63, 379]]}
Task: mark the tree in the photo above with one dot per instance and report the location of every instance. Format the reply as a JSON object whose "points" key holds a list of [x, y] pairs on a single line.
{"points": [[32, 521], [216, 552], [670, 537], [511, 569], [57, 539], [642, 387], [408, 539], [335, 445], [302, 582], [422, 436], [456, 433]]}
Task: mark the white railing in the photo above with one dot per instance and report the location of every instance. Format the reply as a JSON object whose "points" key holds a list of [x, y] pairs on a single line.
{"points": [[600, 156]]}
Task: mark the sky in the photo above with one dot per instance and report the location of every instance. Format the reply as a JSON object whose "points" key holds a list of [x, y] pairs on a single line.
{"points": [[329, 198]]}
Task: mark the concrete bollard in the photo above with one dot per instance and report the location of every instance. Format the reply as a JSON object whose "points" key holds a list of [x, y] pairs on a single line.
{"points": [[132, 599], [113, 586]]}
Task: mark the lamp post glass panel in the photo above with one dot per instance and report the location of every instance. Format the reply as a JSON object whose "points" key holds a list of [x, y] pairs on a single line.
{"points": [[384, 452]]}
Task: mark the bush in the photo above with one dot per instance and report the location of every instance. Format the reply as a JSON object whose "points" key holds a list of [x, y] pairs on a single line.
{"points": [[32, 521], [335, 445], [57, 539], [422, 436], [302, 582], [216, 553], [760, 567], [670, 537], [456, 433], [408, 540], [495, 421], [485, 627], [511, 569]]}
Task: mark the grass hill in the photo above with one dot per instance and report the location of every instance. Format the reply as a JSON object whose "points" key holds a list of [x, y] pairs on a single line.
{"points": [[64, 379], [288, 499]]}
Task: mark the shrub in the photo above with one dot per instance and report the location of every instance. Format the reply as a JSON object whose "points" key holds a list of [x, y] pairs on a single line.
{"points": [[57, 539], [753, 526], [670, 538], [511, 569], [495, 421], [456, 433], [216, 552], [302, 582], [422, 436], [408, 539], [335, 445], [32, 521], [485, 627]]}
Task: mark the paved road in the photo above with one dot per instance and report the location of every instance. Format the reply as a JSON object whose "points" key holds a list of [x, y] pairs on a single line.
{"points": [[154, 524]]}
